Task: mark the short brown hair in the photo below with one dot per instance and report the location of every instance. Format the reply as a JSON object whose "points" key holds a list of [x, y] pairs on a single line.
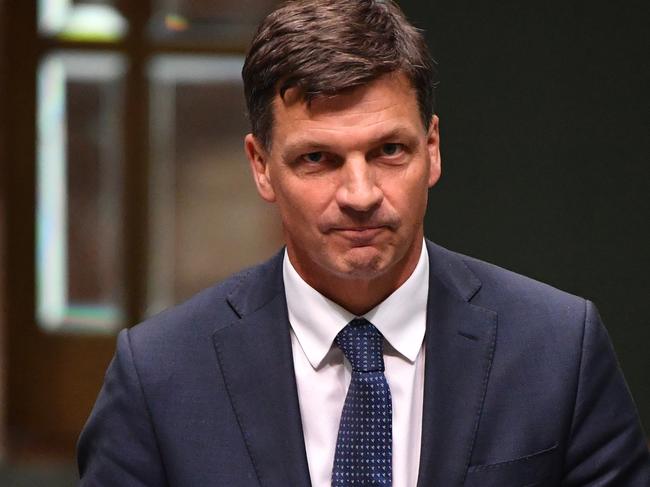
{"points": [[323, 47]]}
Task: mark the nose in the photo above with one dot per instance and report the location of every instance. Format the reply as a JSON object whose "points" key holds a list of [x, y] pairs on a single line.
{"points": [[358, 189]]}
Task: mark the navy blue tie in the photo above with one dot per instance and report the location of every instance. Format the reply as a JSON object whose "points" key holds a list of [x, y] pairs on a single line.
{"points": [[364, 444]]}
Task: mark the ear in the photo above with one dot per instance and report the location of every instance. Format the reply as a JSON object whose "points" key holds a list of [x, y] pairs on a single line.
{"points": [[433, 146], [259, 162]]}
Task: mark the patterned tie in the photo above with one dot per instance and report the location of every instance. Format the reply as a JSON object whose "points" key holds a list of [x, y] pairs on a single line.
{"points": [[364, 444]]}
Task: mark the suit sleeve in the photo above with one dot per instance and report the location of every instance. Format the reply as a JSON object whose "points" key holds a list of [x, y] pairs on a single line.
{"points": [[607, 446], [118, 447]]}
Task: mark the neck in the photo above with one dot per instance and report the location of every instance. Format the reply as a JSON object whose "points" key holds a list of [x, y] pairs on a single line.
{"points": [[359, 296]]}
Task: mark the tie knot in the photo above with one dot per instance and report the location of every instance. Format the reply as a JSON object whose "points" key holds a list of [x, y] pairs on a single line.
{"points": [[362, 345]]}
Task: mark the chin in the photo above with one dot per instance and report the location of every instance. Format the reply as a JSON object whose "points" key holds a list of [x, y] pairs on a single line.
{"points": [[362, 264]]}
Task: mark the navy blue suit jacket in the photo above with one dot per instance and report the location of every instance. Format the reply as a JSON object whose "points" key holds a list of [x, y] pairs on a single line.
{"points": [[522, 388]]}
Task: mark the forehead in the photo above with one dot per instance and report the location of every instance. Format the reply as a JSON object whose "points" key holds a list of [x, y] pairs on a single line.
{"points": [[386, 104]]}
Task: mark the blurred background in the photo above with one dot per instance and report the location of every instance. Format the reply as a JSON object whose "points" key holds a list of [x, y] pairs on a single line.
{"points": [[124, 188]]}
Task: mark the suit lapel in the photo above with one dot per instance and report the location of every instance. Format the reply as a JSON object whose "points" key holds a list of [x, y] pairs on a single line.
{"points": [[256, 361], [460, 340]]}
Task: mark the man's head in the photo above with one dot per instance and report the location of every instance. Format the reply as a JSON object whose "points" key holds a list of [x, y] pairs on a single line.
{"points": [[340, 94], [324, 47]]}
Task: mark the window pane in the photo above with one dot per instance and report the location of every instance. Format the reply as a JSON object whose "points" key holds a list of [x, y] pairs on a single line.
{"points": [[207, 220], [89, 20], [79, 255], [230, 21]]}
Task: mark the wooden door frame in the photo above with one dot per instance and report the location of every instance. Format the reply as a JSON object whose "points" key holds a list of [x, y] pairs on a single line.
{"points": [[29, 422], [51, 379]]}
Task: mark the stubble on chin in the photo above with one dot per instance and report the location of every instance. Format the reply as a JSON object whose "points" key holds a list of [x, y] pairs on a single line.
{"points": [[361, 264]]}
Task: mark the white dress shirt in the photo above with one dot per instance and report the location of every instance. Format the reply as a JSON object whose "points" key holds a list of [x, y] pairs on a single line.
{"points": [[323, 374]]}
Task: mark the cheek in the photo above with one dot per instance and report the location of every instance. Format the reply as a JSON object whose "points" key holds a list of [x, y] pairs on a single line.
{"points": [[407, 194], [302, 205]]}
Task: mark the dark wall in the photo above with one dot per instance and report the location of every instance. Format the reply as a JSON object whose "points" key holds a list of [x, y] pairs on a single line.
{"points": [[545, 121], [3, 380]]}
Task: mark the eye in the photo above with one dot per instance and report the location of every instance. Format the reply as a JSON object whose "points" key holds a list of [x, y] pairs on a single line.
{"points": [[391, 149], [314, 157]]}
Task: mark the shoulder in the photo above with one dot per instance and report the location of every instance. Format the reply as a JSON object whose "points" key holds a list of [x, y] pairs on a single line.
{"points": [[521, 303], [504, 287], [211, 309], [489, 281]]}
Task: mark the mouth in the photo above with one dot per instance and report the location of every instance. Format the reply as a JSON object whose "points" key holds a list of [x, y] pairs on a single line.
{"points": [[360, 235]]}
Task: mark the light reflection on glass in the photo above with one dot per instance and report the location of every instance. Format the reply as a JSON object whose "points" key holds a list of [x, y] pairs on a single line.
{"points": [[78, 192], [81, 21], [52, 217]]}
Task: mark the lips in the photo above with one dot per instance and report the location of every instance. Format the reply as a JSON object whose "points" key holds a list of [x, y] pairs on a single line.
{"points": [[360, 235]]}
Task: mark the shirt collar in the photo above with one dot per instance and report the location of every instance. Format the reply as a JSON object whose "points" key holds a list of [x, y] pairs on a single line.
{"points": [[316, 320]]}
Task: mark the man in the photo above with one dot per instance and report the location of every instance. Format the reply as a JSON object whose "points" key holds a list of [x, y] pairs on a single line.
{"points": [[361, 354]]}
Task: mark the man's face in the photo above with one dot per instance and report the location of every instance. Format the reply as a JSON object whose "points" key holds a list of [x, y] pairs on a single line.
{"points": [[350, 175]]}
